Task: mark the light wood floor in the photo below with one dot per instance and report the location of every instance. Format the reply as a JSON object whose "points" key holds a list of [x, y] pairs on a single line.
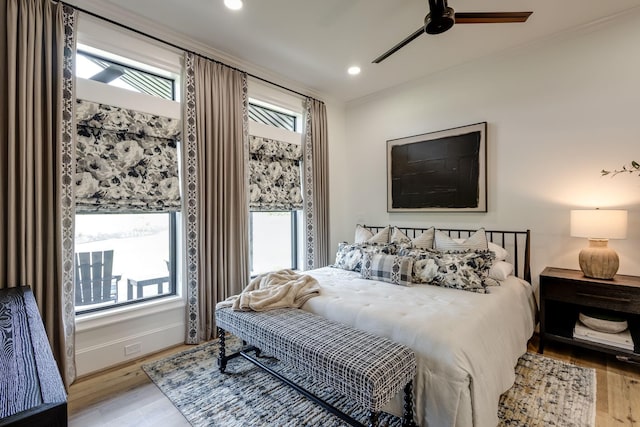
{"points": [[124, 396]]}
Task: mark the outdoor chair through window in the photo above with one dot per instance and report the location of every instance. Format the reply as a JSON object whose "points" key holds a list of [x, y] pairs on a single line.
{"points": [[95, 283]]}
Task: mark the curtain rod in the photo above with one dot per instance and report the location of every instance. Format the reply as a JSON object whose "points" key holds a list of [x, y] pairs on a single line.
{"points": [[175, 46]]}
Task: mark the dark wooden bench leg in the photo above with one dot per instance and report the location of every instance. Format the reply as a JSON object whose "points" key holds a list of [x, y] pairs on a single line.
{"points": [[407, 416], [222, 358], [373, 419]]}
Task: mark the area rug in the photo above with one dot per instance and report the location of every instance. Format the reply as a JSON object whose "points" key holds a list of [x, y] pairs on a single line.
{"points": [[547, 392]]}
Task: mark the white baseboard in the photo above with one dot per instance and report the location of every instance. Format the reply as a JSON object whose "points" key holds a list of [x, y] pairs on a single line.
{"points": [[122, 349]]}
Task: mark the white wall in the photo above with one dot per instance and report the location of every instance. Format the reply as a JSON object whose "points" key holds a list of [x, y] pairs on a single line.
{"points": [[339, 162], [558, 112]]}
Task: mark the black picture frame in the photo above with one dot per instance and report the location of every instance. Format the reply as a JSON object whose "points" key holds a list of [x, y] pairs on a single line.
{"points": [[443, 171]]}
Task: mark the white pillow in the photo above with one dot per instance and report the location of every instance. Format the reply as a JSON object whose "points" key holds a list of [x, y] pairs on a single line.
{"points": [[500, 270], [397, 236], [500, 252], [364, 235], [422, 241], [477, 241]]}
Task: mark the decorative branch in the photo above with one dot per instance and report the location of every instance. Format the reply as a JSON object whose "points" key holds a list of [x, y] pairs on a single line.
{"points": [[633, 167]]}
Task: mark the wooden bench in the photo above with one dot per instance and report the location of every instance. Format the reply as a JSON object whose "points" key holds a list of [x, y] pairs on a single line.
{"points": [[364, 367], [31, 389]]}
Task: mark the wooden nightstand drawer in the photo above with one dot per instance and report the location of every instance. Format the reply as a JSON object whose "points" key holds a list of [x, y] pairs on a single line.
{"points": [[617, 298]]}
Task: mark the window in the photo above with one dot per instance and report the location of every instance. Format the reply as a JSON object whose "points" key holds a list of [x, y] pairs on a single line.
{"points": [[126, 246], [274, 241], [96, 68], [269, 116], [275, 231], [143, 248]]}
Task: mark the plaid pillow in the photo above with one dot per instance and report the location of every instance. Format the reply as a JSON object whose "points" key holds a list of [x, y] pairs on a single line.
{"points": [[388, 268]]}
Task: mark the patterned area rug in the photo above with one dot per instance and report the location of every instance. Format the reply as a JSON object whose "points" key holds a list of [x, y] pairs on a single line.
{"points": [[547, 392]]}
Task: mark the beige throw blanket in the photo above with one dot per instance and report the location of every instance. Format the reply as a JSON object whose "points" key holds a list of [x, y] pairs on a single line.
{"points": [[279, 289]]}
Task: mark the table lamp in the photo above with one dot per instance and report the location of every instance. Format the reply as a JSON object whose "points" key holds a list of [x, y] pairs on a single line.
{"points": [[599, 261]]}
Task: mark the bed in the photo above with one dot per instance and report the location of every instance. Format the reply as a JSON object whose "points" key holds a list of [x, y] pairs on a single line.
{"points": [[466, 343]]}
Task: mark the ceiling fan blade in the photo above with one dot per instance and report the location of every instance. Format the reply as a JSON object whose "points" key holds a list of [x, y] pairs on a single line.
{"points": [[399, 46], [491, 17]]}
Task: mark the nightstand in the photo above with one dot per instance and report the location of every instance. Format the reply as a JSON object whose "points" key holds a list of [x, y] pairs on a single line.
{"points": [[564, 293]]}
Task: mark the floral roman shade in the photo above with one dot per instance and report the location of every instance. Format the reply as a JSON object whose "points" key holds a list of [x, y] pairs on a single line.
{"points": [[127, 161], [274, 175]]}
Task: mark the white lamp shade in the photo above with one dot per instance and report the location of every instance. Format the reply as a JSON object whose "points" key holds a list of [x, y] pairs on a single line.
{"points": [[599, 223]]}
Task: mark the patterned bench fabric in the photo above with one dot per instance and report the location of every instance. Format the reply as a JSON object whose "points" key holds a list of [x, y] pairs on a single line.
{"points": [[364, 367]]}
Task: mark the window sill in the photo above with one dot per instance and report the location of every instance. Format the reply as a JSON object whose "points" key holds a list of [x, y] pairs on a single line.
{"points": [[89, 321]]}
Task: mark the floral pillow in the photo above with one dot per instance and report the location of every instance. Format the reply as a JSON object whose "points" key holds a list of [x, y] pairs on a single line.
{"points": [[387, 268], [460, 270], [349, 256]]}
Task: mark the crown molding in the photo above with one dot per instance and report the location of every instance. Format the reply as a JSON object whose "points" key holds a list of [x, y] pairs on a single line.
{"points": [[110, 11]]}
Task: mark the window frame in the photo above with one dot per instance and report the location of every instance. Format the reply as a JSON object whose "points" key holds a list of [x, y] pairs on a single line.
{"points": [[173, 258], [263, 101], [174, 232]]}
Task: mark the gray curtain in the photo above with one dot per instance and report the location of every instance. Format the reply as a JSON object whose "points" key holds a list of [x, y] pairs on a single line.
{"points": [[215, 188], [37, 46], [316, 185]]}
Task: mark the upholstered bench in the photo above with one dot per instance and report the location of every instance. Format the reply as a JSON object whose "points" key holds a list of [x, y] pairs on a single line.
{"points": [[366, 368]]}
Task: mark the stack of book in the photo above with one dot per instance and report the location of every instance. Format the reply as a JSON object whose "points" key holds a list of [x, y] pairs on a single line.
{"points": [[621, 339]]}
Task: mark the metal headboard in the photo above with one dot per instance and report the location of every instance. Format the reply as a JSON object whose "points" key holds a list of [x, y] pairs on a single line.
{"points": [[517, 243]]}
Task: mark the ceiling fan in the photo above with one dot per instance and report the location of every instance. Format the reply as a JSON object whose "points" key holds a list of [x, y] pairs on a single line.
{"points": [[441, 18]]}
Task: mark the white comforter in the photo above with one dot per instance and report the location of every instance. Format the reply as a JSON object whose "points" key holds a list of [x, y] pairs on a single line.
{"points": [[467, 344]]}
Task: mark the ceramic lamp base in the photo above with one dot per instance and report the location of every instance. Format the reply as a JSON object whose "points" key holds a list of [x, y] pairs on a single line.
{"points": [[599, 261]]}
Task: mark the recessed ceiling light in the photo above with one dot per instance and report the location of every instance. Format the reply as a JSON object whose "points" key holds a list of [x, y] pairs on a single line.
{"points": [[233, 4], [353, 70]]}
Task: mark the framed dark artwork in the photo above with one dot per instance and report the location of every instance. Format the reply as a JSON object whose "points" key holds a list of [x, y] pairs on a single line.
{"points": [[444, 171]]}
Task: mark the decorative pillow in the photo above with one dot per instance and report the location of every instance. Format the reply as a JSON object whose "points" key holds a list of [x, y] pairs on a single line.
{"points": [[349, 256], [416, 253], [397, 236], [460, 270], [422, 241], [500, 270], [501, 253], [477, 241], [388, 268], [364, 235]]}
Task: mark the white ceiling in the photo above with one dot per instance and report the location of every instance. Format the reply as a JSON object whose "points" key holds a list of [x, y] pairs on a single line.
{"points": [[311, 43]]}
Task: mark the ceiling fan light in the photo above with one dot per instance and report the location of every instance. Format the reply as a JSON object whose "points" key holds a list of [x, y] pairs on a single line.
{"points": [[437, 24]]}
